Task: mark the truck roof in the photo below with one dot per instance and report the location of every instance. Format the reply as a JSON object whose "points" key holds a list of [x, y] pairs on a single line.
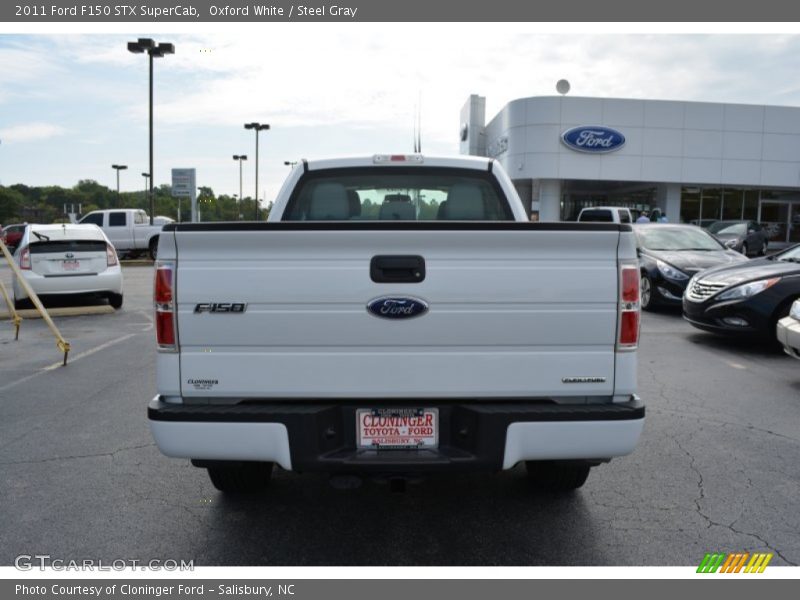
{"points": [[478, 163], [106, 210]]}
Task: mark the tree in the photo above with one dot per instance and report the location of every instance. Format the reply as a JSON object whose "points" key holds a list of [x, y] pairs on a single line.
{"points": [[11, 202]]}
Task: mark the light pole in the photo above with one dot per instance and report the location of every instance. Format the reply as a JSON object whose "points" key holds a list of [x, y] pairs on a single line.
{"points": [[290, 163], [257, 127], [240, 158], [153, 51], [118, 168]]}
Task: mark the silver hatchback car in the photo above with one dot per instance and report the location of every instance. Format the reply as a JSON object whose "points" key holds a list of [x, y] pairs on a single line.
{"points": [[67, 259]]}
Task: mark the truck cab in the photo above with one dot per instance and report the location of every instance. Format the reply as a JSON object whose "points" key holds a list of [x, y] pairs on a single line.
{"points": [[128, 229]]}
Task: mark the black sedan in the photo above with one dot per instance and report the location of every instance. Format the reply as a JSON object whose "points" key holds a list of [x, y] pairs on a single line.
{"points": [[747, 237], [670, 254], [747, 299]]}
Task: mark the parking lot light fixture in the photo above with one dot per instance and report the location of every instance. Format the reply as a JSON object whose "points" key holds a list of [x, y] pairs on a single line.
{"points": [[153, 50], [240, 158], [290, 163], [146, 178], [257, 127], [118, 168]]}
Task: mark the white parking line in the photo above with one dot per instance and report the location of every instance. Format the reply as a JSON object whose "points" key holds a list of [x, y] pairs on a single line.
{"points": [[72, 359]]}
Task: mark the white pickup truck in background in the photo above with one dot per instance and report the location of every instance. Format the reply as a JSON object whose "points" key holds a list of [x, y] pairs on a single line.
{"points": [[397, 315], [128, 229]]}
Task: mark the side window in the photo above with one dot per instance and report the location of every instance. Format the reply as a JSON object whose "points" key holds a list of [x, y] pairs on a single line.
{"points": [[93, 219], [624, 217], [138, 218], [116, 219]]}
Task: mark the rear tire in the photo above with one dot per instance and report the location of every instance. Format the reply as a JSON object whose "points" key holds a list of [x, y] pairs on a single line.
{"points": [[245, 478], [115, 300], [763, 251], [745, 249], [153, 248], [555, 476]]}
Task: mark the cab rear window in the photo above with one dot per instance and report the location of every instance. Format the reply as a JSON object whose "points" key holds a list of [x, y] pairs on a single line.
{"points": [[398, 194], [597, 216], [67, 246]]}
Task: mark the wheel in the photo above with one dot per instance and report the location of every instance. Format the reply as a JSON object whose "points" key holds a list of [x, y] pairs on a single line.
{"points": [[646, 297], [745, 249], [763, 251], [154, 248], [553, 476], [115, 300], [244, 478]]}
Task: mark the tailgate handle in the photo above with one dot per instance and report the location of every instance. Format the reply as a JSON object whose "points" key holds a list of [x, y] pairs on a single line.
{"points": [[397, 269]]}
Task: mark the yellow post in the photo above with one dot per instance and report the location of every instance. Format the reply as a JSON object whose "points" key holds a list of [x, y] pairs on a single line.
{"points": [[61, 343]]}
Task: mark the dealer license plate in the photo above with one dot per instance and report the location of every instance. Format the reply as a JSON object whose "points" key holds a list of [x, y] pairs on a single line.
{"points": [[71, 265], [397, 427]]}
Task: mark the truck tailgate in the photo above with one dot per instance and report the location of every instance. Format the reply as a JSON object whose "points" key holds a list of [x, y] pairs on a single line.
{"points": [[513, 312]]}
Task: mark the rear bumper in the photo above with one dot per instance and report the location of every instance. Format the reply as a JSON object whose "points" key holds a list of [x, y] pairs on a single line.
{"points": [[473, 435], [106, 281]]}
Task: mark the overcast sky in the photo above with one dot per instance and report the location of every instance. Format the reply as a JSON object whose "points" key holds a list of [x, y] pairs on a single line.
{"points": [[71, 105]]}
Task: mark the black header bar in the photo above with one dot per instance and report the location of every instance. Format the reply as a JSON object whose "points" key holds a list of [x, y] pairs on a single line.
{"points": [[210, 11]]}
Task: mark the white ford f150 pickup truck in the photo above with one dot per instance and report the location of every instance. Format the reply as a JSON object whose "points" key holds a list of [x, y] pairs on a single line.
{"points": [[397, 315], [128, 229]]}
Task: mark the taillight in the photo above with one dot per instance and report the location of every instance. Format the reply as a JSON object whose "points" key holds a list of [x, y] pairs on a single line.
{"points": [[628, 327], [25, 259], [111, 256], [163, 298], [165, 330]]}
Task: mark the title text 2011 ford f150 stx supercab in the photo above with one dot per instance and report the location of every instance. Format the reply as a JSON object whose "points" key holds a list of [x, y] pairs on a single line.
{"points": [[397, 315]]}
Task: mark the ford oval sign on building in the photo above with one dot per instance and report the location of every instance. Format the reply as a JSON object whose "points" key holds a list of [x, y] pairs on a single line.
{"points": [[593, 139], [397, 307]]}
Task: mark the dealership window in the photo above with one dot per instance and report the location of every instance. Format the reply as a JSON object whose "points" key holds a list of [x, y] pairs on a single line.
{"points": [[711, 203], [731, 204], [690, 204], [750, 211]]}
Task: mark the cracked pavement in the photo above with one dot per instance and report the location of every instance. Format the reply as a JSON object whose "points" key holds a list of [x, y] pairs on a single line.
{"points": [[717, 469]]}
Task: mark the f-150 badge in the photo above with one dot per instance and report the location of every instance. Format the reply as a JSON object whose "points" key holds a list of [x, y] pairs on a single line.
{"points": [[397, 307], [220, 307]]}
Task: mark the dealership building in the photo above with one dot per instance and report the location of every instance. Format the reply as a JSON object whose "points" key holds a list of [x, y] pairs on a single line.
{"points": [[693, 160]]}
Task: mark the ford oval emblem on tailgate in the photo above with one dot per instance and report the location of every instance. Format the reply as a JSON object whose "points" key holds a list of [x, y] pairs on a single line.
{"points": [[397, 307]]}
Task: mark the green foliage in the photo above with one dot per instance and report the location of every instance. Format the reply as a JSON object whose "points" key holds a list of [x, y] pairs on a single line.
{"points": [[11, 202], [21, 203]]}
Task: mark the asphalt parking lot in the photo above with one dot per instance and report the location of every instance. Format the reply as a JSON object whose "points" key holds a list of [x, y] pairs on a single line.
{"points": [[718, 469]]}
